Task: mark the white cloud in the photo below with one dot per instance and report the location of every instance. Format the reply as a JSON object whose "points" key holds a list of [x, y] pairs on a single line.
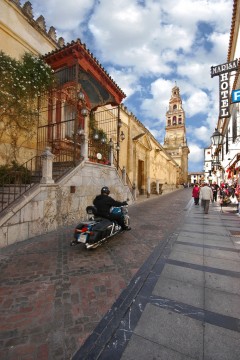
{"points": [[66, 17], [201, 133], [197, 102], [157, 105], [196, 153], [126, 79]]}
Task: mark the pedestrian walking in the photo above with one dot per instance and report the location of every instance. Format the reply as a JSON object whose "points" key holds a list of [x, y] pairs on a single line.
{"points": [[206, 195], [195, 193], [237, 194], [215, 189]]}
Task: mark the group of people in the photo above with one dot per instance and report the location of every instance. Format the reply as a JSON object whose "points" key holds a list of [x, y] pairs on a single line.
{"points": [[206, 193], [203, 193]]}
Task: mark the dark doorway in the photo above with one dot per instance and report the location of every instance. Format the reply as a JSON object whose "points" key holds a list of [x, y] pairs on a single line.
{"points": [[141, 183]]}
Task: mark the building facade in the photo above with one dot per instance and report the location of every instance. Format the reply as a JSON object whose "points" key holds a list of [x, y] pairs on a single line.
{"points": [[147, 163], [195, 177], [84, 129], [225, 162]]}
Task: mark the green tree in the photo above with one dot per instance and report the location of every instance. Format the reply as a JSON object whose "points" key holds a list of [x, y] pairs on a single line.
{"points": [[22, 83]]}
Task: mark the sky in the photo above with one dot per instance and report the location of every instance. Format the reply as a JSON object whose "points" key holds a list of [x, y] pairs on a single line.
{"points": [[148, 47]]}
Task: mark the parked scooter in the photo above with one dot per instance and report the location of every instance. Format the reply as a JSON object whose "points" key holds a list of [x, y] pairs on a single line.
{"points": [[96, 230]]}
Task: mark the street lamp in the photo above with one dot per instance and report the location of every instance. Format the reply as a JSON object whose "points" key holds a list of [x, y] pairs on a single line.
{"points": [[217, 138], [84, 112], [112, 145]]}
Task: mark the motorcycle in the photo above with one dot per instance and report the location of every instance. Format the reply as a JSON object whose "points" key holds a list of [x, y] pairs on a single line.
{"points": [[96, 230]]}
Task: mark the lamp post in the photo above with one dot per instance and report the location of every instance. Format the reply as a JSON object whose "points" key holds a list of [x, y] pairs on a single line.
{"points": [[80, 129], [111, 144], [217, 138]]}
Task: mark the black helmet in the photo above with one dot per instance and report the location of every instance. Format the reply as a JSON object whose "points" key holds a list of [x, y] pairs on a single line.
{"points": [[105, 190]]}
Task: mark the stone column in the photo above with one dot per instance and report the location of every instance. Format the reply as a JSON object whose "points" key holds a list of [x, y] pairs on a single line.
{"points": [[148, 187], [111, 156], [84, 146], [47, 161]]}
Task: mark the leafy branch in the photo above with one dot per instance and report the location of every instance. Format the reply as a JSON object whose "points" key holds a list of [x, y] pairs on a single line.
{"points": [[22, 83]]}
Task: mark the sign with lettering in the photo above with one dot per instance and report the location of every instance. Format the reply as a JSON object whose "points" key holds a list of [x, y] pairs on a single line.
{"points": [[236, 96], [223, 72], [219, 69], [224, 95]]}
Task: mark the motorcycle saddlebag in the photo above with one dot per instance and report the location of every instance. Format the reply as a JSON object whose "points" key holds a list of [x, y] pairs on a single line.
{"points": [[100, 231]]}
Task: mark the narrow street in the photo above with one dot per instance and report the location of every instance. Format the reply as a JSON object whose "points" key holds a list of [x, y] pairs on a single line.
{"points": [[53, 296]]}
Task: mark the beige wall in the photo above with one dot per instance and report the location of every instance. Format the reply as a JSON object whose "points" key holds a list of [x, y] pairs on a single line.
{"points": [[19, 33], [157, 164]]}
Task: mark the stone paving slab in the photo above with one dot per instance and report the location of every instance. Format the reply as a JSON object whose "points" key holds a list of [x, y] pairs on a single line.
{"points": [[174, 331], [184, 292], [190, 239], [142, 349], [222, 283], [224, 264], [221, 254], [220, 343], [191, 276], [189, 249], [222, 302], [186, 257]]}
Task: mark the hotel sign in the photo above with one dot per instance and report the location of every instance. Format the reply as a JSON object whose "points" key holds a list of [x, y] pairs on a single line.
{"points": [[223, 72], [219, 69]]}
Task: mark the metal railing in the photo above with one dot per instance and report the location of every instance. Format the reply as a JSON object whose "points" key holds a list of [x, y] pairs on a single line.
{"points": [[18, 179]]}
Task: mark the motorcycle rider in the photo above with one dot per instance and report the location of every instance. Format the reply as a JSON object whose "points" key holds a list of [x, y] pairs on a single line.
{"points": [[104, 202]]}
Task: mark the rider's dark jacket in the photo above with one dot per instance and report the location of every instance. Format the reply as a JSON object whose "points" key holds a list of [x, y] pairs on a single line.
{"points": [[104, 203]]}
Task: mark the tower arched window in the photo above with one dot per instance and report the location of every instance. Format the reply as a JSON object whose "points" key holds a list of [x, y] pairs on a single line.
{"points": [[179, 121], [175, 107], [174, 120], [169, 122]]}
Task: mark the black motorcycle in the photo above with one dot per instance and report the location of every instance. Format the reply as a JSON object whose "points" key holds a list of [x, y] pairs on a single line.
{"points": [[96, 230]]}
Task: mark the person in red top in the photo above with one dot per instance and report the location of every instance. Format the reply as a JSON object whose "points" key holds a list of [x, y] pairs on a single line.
{"points": [[195, 193]]}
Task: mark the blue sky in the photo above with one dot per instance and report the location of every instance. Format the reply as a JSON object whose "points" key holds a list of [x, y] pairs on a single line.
{"points": [[148, 45]]}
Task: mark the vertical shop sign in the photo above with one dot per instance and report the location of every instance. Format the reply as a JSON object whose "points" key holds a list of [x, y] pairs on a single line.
{"points": [[223, 72], [224, 95]]}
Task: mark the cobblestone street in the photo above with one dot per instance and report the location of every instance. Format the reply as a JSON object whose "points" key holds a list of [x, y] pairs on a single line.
{"points": [[53, 296]]}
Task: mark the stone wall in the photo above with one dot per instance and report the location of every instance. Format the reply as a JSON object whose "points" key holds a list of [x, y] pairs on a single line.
{"points": [[48, 207]]}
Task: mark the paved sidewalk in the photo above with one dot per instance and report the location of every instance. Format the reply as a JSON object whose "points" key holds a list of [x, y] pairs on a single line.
{"points": [[184, 302]]}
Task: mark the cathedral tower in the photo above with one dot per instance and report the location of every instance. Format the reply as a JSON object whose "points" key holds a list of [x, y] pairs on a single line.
{"points": [[175, 142]]}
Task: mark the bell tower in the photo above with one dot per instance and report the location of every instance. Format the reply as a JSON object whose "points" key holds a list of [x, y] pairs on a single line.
{"points": [[175, 142]]}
